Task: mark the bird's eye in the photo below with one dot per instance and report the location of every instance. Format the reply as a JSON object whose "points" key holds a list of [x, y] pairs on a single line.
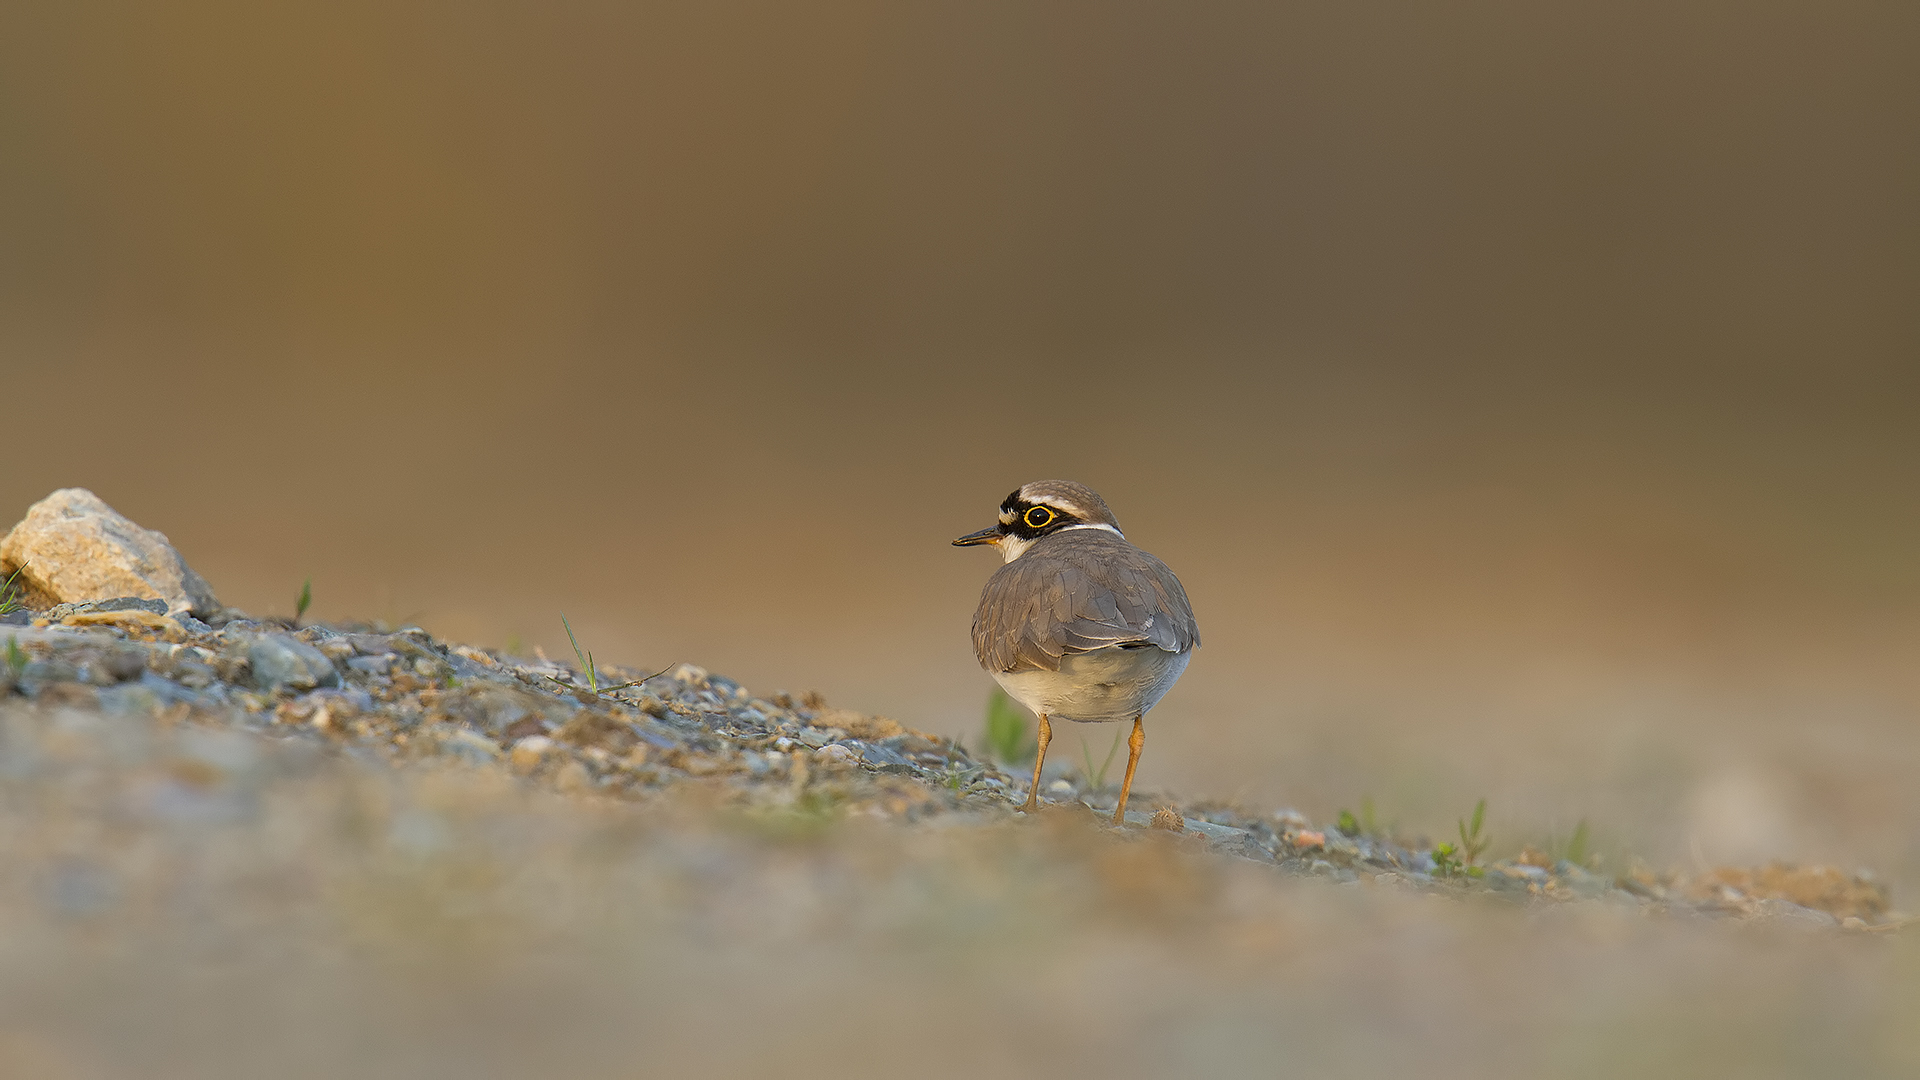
{"points": [[1039, 517]]}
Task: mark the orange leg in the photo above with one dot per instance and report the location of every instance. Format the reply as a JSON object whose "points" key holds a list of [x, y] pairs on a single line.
{"points": [[1039, 759], [1134, 742]]}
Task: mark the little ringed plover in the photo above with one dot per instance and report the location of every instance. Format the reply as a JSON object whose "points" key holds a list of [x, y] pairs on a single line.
{"points": [[1078, 624]]}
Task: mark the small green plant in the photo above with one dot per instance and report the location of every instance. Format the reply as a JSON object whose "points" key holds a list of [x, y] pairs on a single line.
{"points": [[304, 601], [1454, 860], [592, 672], [16, 659], [1472, 842], [1577, 849], [1006, 736], [957, 775], [1365, 823], [10, 592], [1098, 777], [1577, 844]]}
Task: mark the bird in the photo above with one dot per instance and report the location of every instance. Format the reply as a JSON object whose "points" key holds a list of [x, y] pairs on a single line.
{"points": [[1077, 623]]}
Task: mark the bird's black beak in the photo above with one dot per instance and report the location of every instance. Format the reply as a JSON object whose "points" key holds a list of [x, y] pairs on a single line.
{"points": [[984, 536]]}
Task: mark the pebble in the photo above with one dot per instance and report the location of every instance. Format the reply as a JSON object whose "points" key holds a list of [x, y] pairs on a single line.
{"points": [[817, 737], [378, 664], [281, 662], [1789, 912], [470, 746], [59, 612], [529, 752], [885, 757], [1220, 834]]}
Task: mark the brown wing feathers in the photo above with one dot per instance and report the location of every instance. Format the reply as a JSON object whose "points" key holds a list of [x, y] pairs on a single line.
{"points": [[1078, 591]]}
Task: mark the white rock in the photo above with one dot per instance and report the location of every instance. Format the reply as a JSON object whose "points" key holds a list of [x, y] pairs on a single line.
{"points": [[529, 752], [74, 548]]}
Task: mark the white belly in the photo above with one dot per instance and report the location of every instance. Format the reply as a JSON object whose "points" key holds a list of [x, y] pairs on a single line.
{"points": [[1105, 684]]}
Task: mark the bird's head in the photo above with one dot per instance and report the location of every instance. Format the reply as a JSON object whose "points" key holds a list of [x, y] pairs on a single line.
{"points": [[1040, 509]]}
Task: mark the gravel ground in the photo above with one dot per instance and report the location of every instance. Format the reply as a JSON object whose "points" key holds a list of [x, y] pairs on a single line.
{"points": [[405, 698], [260, 850]]}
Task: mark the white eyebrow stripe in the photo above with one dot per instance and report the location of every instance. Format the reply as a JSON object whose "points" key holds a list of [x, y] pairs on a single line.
{"points": [[1060, 506]]}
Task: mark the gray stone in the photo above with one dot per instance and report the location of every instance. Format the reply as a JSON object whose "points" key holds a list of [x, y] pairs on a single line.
{"points": [[494, 708], [1582, 883], [884, 757], [1244, 846], [74, 548], [118, 603], [351, 701], [656, 739], [372, 665], [1789, 912], [148, 693], [1503, 879], [1217, 833], [282, 663], [469, 746]]}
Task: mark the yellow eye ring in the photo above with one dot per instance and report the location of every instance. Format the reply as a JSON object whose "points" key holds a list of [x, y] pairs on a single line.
{"points": [[1046, 519]]}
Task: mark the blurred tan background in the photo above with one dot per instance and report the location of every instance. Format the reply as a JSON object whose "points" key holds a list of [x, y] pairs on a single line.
{"points": [[1525, 395]]}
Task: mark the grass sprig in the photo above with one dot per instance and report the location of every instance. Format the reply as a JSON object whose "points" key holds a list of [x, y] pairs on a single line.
{"points": [[592, 672], [1006, 735], [10, 592], [1098, 778], [1453, 860]]}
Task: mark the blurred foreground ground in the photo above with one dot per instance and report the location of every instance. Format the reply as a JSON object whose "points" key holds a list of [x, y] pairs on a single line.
{"points": [[186, 900]]}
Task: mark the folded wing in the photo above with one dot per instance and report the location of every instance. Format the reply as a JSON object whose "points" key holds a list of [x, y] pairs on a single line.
{"points": [[1075, 592]]}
